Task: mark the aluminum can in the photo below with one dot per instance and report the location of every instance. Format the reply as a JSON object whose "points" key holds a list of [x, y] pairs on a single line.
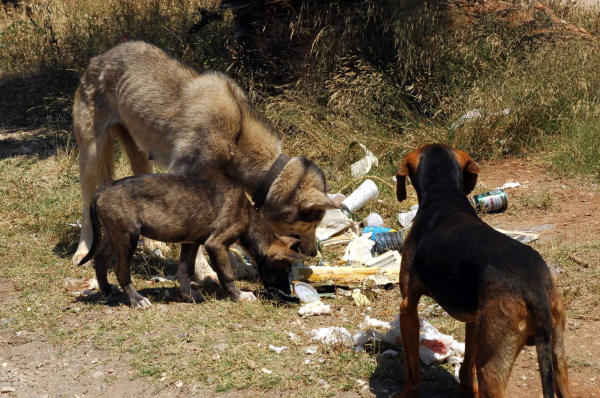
{"points": [[495, 201]]}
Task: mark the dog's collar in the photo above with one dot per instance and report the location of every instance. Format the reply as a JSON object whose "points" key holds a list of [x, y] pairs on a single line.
{"points": [[265, 185]]}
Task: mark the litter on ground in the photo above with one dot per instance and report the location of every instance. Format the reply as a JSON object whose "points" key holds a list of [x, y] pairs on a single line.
{"points": [[314, 308], [433, 345], [82, 286], [364, 194], [278, 350], [363, 166], [359, 298], [332, 336]]}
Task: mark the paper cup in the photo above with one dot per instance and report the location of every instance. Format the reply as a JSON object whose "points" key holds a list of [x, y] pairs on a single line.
{"points": [[364, 194]]}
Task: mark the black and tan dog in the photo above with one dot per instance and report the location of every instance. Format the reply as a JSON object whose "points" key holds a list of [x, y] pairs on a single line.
{"points": [[171, 208], [501, 288]]}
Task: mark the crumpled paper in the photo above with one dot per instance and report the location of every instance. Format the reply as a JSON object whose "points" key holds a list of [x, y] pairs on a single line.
{"points": [[363, 166]]}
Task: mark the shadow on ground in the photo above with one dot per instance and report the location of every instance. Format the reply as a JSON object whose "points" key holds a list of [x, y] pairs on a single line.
{"points": [[156, 295], [388, 378], [35, 113], [35, 100]]}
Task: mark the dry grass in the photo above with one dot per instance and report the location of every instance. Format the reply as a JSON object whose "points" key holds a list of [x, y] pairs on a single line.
{"points": [[394, 80]]}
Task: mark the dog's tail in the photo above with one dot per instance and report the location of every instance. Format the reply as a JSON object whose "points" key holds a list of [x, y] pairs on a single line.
{"points": [[542, 319], [96, 233]]}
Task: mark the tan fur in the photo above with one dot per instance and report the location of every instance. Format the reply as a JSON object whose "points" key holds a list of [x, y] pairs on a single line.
{"points": [[165, 113]]}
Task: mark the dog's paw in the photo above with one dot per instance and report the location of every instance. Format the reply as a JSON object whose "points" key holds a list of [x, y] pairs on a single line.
{"points": [[191, 296], [78, 257], [141, 302], [246, 296]]}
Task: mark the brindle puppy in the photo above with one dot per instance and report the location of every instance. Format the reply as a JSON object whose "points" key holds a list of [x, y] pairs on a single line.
{"points": [[193, 212]]}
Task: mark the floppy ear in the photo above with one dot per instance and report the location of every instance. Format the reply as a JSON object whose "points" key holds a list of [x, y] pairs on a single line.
{"points": [[470, 177], [292, 243], [408, 165], [401, 181], [316, 200], [470, 171]]}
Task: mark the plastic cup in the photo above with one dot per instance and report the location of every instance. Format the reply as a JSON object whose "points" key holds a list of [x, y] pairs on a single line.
{"points": [[366, 193]]}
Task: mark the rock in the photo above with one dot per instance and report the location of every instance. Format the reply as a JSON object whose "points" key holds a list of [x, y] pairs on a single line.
{"points": [[6, 389]]}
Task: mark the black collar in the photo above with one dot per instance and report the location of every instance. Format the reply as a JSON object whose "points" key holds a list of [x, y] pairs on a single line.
{"points": [[263, 189]]}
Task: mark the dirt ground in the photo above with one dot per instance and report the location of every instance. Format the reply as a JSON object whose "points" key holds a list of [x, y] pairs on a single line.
{"points": [[572, 220], [62, 360]]}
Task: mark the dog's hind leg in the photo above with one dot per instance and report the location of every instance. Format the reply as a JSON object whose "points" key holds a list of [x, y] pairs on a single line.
{"points": [[140, 164], [409, 326], [186, 272], [559, 358], [501, 334], [468, 386], [217, 246], [96, 160], [102, 262], [125, 252]]}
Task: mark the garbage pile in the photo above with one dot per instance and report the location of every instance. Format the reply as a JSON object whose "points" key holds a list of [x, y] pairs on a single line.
{"points": [[433, 345], [373, 251], [371, 261]]}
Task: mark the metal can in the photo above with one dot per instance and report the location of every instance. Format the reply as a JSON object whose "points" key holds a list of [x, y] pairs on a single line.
{"points": [[494, 201]]}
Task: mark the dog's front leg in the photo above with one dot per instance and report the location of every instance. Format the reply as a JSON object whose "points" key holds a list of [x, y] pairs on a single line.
{"points": [[217, 251], [186, 272], [409, 326], [468, 386]]}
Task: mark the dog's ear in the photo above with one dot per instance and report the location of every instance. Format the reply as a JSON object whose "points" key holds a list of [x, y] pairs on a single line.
{"points": [[408, 166], [316, 200], [470, 170], [292, 243]]}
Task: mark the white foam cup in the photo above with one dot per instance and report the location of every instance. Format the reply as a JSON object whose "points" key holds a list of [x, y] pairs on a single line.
{"points": [[364, 194]]}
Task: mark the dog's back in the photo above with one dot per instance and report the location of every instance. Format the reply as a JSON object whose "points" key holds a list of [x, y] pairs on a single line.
{"points": [[170, 208]]}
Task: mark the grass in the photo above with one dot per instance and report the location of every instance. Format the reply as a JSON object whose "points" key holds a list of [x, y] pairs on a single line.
{"points": [[178, 342], [393, 81]]}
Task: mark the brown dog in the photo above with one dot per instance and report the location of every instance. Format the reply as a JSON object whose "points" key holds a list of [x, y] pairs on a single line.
{"points": [[171, 208], [202, 125], [501, 288]]}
